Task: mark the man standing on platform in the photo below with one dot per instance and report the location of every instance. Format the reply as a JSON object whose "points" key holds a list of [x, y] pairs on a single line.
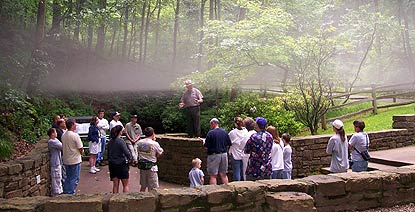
{"points": [[72, 150], [190, 101]]}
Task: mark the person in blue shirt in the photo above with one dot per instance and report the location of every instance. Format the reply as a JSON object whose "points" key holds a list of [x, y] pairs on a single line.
{"points": [[217, 144]]}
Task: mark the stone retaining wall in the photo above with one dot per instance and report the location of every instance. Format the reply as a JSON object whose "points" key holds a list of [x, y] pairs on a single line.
{"points": [[334, 192], [309, 153], [28, 176]]}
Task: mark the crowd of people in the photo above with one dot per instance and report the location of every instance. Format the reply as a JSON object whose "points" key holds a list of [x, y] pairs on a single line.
{"points": [[139, 148], [256, 151]]}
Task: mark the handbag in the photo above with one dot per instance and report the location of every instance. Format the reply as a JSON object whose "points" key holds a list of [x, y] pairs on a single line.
{"points": [[145, 164], [365, 154]]}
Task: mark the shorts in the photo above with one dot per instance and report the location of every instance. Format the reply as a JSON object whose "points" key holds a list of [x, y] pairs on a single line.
{"points": [[94, 147], [149, 179], [120, 171], [217, 163]]}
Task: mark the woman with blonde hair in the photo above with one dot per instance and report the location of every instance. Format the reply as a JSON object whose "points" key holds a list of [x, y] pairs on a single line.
{"points": [[337, 147]]}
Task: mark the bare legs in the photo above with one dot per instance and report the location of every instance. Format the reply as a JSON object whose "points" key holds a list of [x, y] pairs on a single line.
{"points": [[116, 185], [223, 177]]}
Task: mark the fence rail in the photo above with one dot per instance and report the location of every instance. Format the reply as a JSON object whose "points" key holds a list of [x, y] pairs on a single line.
{"points": [[365, 93], [377, 93]]}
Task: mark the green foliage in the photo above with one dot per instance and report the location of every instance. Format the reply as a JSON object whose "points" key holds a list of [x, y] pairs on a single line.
{"points": [[173, 118], [19, 115], [6, 147], [251, 105], [381, 121], [308, 107]]}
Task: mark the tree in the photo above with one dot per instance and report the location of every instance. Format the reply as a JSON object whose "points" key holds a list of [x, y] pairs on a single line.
{"points": [[175, 31], [101, 29]]}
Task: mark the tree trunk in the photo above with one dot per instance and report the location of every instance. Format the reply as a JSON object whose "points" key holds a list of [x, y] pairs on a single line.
{"points": [[90, 36], [56, 16], [101, 29], [409, 52], [201, 35], [40, 26], [156, 46], [175, 32], [113, 38], [124, 44], [132, 32], [78, 7], [68, 17], [32, 80], [143, 16], [146, 33]]}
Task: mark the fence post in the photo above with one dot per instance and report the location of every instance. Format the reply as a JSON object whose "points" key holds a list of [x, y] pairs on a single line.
{"points": [[324, 122], [394, 97], [374, 103]]}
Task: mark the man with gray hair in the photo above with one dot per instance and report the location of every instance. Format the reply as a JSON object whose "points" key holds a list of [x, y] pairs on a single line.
{"points": [[217, 144], [190, 101]]}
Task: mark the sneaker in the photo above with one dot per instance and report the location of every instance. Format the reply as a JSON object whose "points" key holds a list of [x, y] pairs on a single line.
{"points": [[96, 169], [92, 170]]}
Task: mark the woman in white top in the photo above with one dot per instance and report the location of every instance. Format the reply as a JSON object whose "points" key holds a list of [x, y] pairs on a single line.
{"points": [[338, 148], [236, 151]]}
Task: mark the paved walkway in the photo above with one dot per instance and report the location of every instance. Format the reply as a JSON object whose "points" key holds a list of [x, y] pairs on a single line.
{"points": [[403, 154], [100, 183]]}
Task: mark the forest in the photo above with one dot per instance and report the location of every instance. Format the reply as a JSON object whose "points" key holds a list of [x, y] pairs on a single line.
{"points": [[72, 52]]}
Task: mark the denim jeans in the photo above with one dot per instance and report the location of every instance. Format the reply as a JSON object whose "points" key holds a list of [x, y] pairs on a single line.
{"points": [[237, 168], [277, 174], [73, 173], [100, 157], [286, 175], [359, 166]]}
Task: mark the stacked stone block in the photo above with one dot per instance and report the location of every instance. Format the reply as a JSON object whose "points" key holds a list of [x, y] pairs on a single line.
{"points": [[334, 192], [19, 178]]}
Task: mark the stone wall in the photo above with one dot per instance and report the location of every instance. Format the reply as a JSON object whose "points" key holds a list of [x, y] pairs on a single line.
{"points": [[334, 192], [28, 176], [309, 153]]}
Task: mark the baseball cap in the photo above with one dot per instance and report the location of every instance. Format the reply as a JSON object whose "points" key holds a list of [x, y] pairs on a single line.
{"points": [[261, 122], [337, 124], [134, 116], [116, 113]]}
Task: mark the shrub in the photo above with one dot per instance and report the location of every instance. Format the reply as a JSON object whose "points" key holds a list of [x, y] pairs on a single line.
{"points": [[251, 105]]}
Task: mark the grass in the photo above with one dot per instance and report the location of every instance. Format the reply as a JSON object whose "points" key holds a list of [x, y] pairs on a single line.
{"points": [[350, 109], [381, 121]]}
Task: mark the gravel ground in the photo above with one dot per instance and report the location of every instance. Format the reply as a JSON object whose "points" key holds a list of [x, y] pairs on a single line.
{"points": [[401, 208]]}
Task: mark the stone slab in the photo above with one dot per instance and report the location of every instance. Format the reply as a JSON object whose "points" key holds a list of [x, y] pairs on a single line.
{"points": [[177, 197], [140, 202], [33, 204], [217, 194], [290, 201], [75, 203], [248, 191]]}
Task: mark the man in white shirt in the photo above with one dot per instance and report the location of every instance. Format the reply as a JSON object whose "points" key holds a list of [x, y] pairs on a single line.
{"points": [[102, 126], [115, 120], [72, 150]]}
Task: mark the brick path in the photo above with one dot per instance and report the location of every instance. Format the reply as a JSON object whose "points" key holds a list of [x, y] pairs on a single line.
{"points": [[100, 183]]}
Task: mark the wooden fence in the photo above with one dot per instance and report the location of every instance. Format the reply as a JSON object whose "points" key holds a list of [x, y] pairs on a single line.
{"points": [[372, 93]]}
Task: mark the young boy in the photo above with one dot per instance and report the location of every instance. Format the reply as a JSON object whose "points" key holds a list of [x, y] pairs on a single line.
{"points": [[196, 175], [55, 149], [288, 166]]}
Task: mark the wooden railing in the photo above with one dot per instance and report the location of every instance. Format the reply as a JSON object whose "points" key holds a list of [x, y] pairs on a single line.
{"points": [[373, 94]]}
